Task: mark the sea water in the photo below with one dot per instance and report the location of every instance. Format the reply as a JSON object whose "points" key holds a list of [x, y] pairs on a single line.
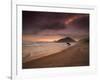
{"points": [[40, 49]]}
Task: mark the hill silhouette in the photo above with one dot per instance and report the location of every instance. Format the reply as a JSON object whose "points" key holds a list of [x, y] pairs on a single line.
{"points": [[66, 39]]}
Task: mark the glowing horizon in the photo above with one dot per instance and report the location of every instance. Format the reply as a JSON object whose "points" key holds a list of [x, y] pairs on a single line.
{"points": [[41, 38]]}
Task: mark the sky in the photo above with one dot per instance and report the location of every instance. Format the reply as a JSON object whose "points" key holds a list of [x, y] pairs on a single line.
{"points": [[51, 26]]}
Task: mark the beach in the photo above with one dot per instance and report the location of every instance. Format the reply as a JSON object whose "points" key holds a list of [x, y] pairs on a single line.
{"points": [[76, 55]]}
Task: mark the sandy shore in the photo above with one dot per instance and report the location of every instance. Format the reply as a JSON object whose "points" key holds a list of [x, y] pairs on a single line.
{"points": [[77, 55]]}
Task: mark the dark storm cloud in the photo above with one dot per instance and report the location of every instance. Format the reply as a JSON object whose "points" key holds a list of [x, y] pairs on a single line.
{"points": [[55, 26], [43, 20], [82, 22], [35, 22]]}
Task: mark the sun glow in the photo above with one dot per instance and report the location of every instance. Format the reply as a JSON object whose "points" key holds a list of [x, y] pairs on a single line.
{"points": [[41, 38]]}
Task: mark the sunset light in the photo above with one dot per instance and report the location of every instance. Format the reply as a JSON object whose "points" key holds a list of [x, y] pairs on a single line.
{"points": [[41, 38]]}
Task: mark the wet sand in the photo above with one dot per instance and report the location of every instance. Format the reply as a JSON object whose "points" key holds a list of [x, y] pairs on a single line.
{"points": [[77, 55]]}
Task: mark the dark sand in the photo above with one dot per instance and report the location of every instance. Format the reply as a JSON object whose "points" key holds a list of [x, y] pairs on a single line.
{"points": [[77, 55]]}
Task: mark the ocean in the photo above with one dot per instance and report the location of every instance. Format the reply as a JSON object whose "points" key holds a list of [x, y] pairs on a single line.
{"points": [[40, 49]]}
